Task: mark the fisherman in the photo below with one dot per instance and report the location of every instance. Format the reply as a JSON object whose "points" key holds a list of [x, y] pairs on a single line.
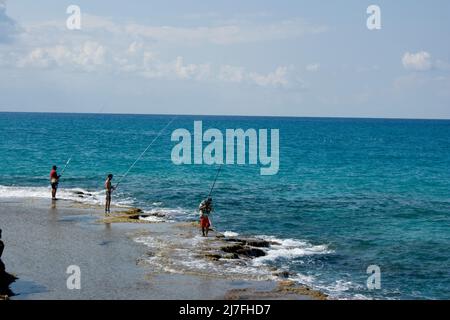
{"points": [[54, 180], [109, 189], [205, 209]]}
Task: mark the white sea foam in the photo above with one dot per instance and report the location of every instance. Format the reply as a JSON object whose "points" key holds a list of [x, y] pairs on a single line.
{"points": [[289, 249], [230, 234], [186, 255], [303, 279], [152, 219], [73, 194], [167, 212]]}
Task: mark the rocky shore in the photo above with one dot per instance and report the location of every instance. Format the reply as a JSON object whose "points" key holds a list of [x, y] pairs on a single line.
{"points": [[219, 250], [132, 254]]}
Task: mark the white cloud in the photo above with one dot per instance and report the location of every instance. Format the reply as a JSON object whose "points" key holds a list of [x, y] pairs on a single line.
{"points": [[225, 34], [314, 67], [420, 61], [82, 51], [137, 59], [276, 78], [86, 56], [134, 47], [229, 73], [189, 71]]}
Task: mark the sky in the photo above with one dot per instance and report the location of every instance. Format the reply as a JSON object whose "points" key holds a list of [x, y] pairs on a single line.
{"points": [[254, 57]]}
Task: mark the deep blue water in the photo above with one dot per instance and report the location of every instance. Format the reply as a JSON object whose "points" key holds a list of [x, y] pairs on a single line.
{"points": [[373, 191]]}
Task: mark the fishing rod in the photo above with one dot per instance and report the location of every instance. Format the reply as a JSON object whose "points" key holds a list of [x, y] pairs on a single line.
{"points": [[142, 154], [217, 175], [64, 169]]}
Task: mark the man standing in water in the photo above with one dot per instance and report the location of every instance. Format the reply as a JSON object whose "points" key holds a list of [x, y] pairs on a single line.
{"points": [[109, 189], [54, 180], [205, 209]]}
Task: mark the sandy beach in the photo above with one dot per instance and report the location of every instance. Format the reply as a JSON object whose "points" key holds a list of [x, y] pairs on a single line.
{"points": [[42, 239]]}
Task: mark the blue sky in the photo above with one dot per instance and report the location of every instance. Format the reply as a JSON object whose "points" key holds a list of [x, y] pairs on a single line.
{"points": [[283, 58]]}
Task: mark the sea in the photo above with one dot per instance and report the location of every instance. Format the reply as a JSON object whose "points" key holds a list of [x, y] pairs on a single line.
{"points": [[351, 197]]}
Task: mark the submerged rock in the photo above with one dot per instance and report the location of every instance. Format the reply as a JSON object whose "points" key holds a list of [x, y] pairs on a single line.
{"points": [[283, 274], [257, 243], [135, 217], [213, 256], [81, 194], [230, 256], [244, 250], [250, 242], [290, 287], [132, 211], [284, 290], [132, 215], [158, 214], [216, 256]]}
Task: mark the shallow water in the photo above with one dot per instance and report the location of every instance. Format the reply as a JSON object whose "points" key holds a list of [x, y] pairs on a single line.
{"points": [[350, 192]]}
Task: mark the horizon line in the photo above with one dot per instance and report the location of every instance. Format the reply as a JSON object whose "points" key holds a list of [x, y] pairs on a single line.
{"points": [[228, 115]]}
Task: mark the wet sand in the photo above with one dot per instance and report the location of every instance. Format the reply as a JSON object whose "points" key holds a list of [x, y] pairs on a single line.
{"points": [[42, 239]]}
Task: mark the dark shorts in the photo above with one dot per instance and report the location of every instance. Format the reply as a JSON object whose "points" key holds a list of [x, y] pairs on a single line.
{"points": [[55, 185], [108, 195]]}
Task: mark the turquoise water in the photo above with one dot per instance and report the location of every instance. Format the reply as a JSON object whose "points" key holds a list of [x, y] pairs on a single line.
{"points": [[361, 192]]}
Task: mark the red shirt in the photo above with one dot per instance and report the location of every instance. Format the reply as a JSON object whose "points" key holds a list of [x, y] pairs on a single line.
{"points": [[53, 174]]}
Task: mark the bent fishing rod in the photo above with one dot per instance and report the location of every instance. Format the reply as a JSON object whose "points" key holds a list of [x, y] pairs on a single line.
{"points": [[214, 183], [142, 154]]}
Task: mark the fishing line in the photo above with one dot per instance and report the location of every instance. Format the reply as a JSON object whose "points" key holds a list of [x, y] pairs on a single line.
{"points": [[142, 154]]}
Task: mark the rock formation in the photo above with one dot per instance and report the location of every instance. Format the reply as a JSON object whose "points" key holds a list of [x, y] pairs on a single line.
{"points": [[5, 278]]}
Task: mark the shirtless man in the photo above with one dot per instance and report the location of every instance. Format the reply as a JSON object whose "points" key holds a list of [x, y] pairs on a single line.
{"points": [[109, 189]]}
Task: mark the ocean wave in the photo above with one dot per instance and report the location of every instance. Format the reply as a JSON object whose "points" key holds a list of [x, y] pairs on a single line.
{"points": [[340, 289], [152, 219], [156, 213], [289, 249], [167, 214], [186, 255], [230, 234], [73, 194], [189, 255]]}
